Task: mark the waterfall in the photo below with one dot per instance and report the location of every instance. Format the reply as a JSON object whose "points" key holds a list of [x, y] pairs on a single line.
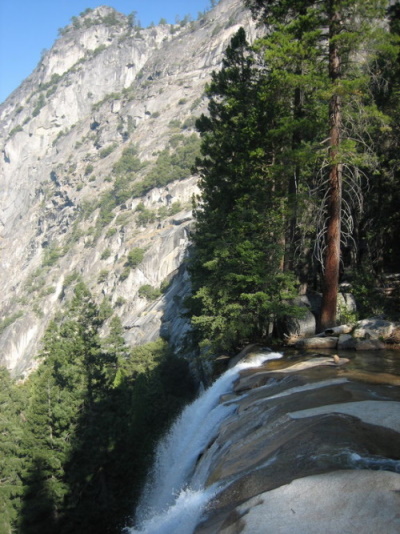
{"points": [[174, 498]]}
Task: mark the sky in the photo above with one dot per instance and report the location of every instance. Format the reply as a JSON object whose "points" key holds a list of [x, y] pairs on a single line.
{"points": [[28, 27]]}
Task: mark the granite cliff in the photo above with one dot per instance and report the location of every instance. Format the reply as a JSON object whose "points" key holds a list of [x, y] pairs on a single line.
{"points": [[95, 181]]}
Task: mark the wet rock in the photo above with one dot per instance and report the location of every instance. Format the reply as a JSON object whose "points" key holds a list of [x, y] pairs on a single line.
{"points": [[380, 413]]}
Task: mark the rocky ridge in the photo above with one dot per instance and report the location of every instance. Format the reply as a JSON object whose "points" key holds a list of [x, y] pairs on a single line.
{"points": [[87, 173]]}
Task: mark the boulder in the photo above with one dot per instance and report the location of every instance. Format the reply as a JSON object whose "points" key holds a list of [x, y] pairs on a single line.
{"points": [[346, 342], [294, 327], [374, 329], [369, 344], [346, 304]]}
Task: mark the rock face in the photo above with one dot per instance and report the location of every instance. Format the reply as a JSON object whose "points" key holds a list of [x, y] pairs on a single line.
{"points": [[310, 448], [104, 89], [343, 501]]}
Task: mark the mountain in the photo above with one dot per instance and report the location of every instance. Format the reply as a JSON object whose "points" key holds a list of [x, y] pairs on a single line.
{"points": [[95, 174]]}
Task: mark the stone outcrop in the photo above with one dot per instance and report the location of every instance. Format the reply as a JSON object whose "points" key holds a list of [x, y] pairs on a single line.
{"points": [[102, 88], [367, 334], [311, 447]]}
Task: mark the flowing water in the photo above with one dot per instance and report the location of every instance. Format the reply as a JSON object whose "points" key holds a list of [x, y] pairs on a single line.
{"points": [[174, 496]]}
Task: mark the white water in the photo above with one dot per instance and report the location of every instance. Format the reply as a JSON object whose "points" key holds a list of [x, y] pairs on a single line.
{"points": [[173, 499]]}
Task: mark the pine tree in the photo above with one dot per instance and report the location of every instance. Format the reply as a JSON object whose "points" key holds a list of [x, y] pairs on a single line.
{"points": [[64, 408], [236, 266], [351, 34], [12, 452]]}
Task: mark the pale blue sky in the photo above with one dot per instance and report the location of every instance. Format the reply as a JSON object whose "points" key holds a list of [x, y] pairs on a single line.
{"points": [[27, 27]]}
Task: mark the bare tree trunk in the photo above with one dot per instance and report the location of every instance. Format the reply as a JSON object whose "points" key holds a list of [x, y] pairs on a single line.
{"points": [[332, 253]]}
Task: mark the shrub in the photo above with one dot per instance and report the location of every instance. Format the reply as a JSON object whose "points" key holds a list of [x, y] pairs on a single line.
{"points": [[174, 123], [105, 254], [51, 255], [15, 130], [102, 276], [125, 273], [149, 292], [129, 162], [123, 218], [89, 169], [9, 320], [145, 216], [135, 257], [41, 102], [111, 231], [108, 150]]}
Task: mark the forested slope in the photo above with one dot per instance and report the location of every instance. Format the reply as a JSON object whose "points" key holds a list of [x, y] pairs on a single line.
{"points": [[298, 166], [299, 169]]}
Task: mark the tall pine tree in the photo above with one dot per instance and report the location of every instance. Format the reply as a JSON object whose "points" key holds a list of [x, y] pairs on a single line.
{"points": [[239, 286]]}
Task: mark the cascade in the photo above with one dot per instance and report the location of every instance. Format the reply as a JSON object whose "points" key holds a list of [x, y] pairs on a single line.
{"points": [[174, 496]]}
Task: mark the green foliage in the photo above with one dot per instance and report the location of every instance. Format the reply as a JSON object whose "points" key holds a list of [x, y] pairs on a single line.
{"points": [[144, 215], [149, 292], [5, 323], [51, 255], [174, 123], [15, 130], [105, 254], [171, 166], [89, 169], [239, 288], [86, 421], [40, 103], [105, 309], [135, 257], [124, 274], [99, 50], [299, 52], [13, 462], [129, 163], [120, 302], [71, 278], [108, 150], [102, 276]]}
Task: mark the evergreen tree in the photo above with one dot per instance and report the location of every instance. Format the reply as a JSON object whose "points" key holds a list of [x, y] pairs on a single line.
{"points": [[67, 388], [95, 413], [12, 452], [239, 286], [345, 33]]}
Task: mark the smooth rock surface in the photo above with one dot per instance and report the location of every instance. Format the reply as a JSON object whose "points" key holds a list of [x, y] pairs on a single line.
{"points": [[297, 428], [351, 502], [380, 413]]}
